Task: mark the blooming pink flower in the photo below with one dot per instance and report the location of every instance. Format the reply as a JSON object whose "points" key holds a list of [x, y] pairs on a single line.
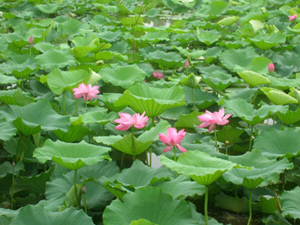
{"points": [[271, 67], [157, 75], [210, 119], [126, 121], [88, 92], [173, 139], [187, 63], [293, 17], [30, 40]]}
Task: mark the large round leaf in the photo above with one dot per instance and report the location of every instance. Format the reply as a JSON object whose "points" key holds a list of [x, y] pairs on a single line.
{"points": [[166, 60], [200, 166], [7, 130], [278, 143], [37, 215], [150, 204], [244, 110], [144, 98], [278, 97], [268, 41], [124, 76], [253, 78], [71, 155], [290, 201]]}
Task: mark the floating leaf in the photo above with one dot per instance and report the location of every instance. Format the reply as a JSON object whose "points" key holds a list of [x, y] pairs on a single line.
{"points": [[144, 98], [202, 99], [100, 117], [268, 41], [278, 97], [208, 37], [124, 76], [71, 155], [7, 130], [200, 166], [155, 36], [151, 204], [7, 79], [165, 59], [188, 120], [278, 143], [289, 117], [48, 7], [227, 21], [253, 78]]}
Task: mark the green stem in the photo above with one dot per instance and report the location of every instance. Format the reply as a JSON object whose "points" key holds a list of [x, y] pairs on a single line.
{"points": [[226, 149], [85, 106], [24, 147], [216, 141], [75, 187], [12, 187], [64, 104], [84, 199], [250, 95], [205, 205], [103, 130], [250, 207], [30, 51], [150, 155], [76, 107], [174, 148], [122, 160], [133, 145], [250, 142]]}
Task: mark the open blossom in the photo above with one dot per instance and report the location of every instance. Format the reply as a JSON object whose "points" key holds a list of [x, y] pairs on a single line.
{"points": [[271, 67], [210, 119], [157, 75], [293, 17], [173, 139], [30, 40], [88, 92], [126, 121]]}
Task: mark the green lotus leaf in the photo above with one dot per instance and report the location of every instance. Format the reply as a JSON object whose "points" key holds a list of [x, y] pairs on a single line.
{"points": [[181, 187], [289, 117], [268, 41], [110, 36], [295, 93], [54, 59], [8, 214], [144, 98], [278, 97], [191, 80], [8, 168], [278, 143], [260, 172], [48, 8], [155, 36], [15, 97], [21, 66], [202, 99], [290, 201], [165, 59], [200, 166], [253, 78], [7, 79], [141, 222], [100, 117], [141, 144], [257, 64], [137, 205], [137, 176], [227, 21], [188, 120], [60, 81], [233, 204], [71, 155], [244, 110], [124, 76], [214, 8], [208, 37], [186, 3], [7, 130], [283, 83], [287, 62], [230, 134], [96, 196], [241, 57], [37, 215], [69, 26], [81, 51]]}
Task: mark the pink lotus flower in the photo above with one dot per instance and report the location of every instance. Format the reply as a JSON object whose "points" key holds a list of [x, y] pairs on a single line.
{"points": [[187, 63], [88, 92], [173, 139], [293, 17], [210, 119], [271, 67], [157, 75], [126, 121], [30, 40]]}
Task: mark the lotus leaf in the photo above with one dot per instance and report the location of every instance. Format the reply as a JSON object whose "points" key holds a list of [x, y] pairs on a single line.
{"points": [[200, 166], [253, 78], [289, 117], [278, 143], [144, 98], [71, 155], [165, 59], [278, 97], [290, 203], [151, 204], [36, 215], [7, 130]]}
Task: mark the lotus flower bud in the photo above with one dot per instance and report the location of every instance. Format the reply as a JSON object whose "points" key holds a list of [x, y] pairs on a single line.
{"points": [[271, 67]]}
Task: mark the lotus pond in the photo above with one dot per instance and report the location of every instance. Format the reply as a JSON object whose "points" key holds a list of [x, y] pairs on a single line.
{"points": [[92, 90]]}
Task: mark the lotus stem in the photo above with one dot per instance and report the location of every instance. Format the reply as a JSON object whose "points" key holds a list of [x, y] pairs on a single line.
{"points": [[250, 207], [76, 107], [175, 159], [24, 147], [12, 187], [84, 198], [205, 205], [75, 187], [85, 106], [133, 145], [216, 141], [278, 207], [250, 142], [63, 103], [250, 95], [194, 101], [150, 156], [122, 160]]}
